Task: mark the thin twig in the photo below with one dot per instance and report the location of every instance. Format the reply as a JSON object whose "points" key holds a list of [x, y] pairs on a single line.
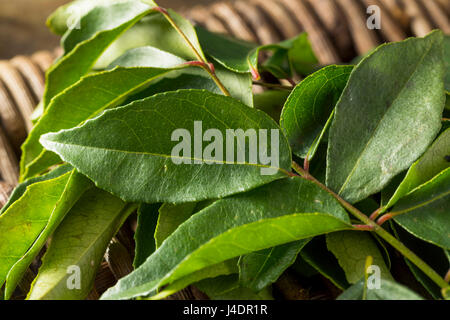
{"points": [[272, 85], [411, 256], [208, 67]]}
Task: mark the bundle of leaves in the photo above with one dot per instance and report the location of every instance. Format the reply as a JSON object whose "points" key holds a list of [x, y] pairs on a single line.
{"points": [[372, 140]]}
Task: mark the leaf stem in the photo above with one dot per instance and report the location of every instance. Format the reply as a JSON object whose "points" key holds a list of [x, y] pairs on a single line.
{"points": [[375, 214], [306, 164], [362, 227], [213, 75], [208, 67], [407, 253], [272, 85], [166, 14], [384, 218]]}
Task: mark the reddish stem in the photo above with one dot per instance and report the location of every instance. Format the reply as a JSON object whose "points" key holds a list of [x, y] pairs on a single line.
{"points": [[363, 227], [375, 214], [306, 164], [255, 73], [161, 9], [292, 82], [384, 218]]}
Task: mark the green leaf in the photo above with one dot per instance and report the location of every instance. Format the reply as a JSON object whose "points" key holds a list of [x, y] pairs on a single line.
{"points": [[352, 248], [434, 256], [447, 61], [290, 55], [78, 245], [309, 106], [90, 96], [69, 14], [224, 268], [115, 148], [152, 30], [428, 166], [387, 116], [228, 288], [271, 102], [315, 253], [170, 217], [229, 52], [84, 45], [22, 187], [259, 269], [389, 290], [235, 226], [425, 211], [165, 37], [145, 231], [240, 56], [301, 55], [30, 220], [239, 85]]}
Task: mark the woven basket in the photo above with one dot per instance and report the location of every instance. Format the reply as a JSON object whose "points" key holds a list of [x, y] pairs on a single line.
{"points": [[338, 33]]}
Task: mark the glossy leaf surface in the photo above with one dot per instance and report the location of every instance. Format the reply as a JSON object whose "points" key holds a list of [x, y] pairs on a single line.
{"points": [[387, 116]]}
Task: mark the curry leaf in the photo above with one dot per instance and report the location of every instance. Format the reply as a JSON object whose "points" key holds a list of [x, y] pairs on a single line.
{"points": [[239, 85], [425, 211], [229, 52], [84, 45], [29, 221], [81, 240], [387, 116], [229, 288], [259, 269], [22, 187], [93, 94], [309, 106], [144, 236], [115, 148], [388, 290], [221, 269], [288, 56], [447, 62], [240, 56], [235, 226], [271, 102], [68, 15], [429, 165], [162, 35], [170, 217], [351, 249], [436, 257], [316, 254]]}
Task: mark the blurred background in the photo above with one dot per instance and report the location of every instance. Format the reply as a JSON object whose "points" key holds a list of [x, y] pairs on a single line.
{"points": [[23, 29]]}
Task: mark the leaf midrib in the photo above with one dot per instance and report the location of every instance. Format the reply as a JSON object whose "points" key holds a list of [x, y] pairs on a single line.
{"points": [[422, 204], [166, 156]]}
